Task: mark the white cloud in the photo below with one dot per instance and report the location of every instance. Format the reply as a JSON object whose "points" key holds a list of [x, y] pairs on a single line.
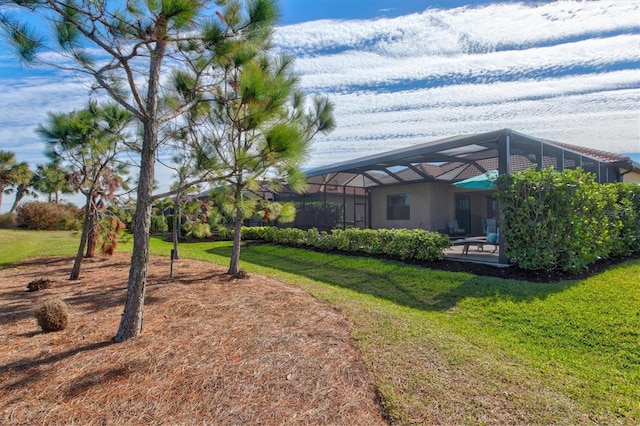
{"points": [[567, 71]]}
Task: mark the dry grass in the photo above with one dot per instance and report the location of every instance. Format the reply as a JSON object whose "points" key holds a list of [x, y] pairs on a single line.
{"points": [[214, 350]]}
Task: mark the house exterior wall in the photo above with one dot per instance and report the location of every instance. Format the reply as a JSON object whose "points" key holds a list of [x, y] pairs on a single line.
{"points": [[432, 205], [633, 177], [419, 202]]}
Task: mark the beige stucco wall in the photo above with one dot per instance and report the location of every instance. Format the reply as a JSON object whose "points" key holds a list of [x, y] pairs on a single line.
{"points": [[418, 202], [432, 205], [633, 177]]}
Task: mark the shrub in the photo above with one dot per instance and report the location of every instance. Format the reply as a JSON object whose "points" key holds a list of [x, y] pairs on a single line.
{"points": [[52, 315], [316, 213], [253, 232], [565, 220], [627, 213], [8, 221], [403, 243], [49, 216]]}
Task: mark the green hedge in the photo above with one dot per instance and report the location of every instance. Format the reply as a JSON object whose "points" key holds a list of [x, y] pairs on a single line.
{"points": [[402, 243], [565, 220]]}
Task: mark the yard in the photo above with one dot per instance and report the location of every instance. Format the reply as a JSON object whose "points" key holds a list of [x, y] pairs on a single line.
{"points": [[437, 347]]}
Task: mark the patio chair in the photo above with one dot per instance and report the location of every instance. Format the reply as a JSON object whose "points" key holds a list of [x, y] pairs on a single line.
{"points": [[454, 229], [493, 235], [488, 224]]}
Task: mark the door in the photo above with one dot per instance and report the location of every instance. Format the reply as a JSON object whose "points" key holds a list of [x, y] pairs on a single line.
{"points": [[463, 212]]}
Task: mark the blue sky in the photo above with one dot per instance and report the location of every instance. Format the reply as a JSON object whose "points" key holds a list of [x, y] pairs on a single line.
{"points": [[404, 72]]}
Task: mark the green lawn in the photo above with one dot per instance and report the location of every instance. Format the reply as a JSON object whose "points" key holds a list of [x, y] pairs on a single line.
{"points": [[17, 245], [457, 348]]}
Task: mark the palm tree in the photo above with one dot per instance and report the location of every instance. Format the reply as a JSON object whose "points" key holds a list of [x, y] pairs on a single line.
{"points": [[162, 205], [52, 180], [22, 180], [7, 162], [115, 45]]}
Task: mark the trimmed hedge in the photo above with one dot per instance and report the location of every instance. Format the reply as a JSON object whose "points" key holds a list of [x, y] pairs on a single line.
{"points": [[405, 244], [565, 220]]}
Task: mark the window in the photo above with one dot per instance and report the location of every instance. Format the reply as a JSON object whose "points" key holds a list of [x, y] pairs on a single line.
{"points": [[398, 207]]}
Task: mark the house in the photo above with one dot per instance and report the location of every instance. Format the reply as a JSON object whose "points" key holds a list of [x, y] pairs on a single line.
{"points": [[413, 187]]}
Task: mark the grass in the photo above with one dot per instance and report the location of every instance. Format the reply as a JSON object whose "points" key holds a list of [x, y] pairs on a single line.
{"points": [[18, 245], [460, 349]]}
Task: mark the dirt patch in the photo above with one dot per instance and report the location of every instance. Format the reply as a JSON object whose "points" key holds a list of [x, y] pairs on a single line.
{"points": [[214, 350]]}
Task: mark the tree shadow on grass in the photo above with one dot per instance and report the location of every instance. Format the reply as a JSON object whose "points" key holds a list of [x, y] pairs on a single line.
{"points": [[403, 284]]}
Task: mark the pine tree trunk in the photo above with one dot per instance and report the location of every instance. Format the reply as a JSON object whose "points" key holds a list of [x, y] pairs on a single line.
{"points": [[92, 236], [176, 225], [131, 320], [235, 253], [75, 271]]}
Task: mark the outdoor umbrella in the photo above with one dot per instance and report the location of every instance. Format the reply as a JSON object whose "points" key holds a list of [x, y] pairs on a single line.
{"points": [[484, 181]]}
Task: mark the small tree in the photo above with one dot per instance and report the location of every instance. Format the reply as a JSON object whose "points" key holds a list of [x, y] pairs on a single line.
{"points": [[260, 132], [89, 142]]}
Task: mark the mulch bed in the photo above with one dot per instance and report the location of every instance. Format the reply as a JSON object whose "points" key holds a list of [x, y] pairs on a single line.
{"points": [[214, 350], [515, 273]]}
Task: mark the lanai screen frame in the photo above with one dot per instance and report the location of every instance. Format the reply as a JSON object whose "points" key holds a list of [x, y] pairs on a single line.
{"points": [[457, 158]]}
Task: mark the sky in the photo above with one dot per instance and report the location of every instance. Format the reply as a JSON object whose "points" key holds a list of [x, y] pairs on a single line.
{"points": [[404, 72]]}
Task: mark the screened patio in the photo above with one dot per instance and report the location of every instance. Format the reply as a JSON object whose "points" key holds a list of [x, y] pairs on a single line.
{"points": [[446, 161]]}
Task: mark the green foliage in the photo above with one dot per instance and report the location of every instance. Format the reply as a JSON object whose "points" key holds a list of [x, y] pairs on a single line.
{"points": [[159, 223], [52, 180], [319, 214], [627, 213], [401, 243], [48, 216], [565, 220], [122, 211], [197, 230]]}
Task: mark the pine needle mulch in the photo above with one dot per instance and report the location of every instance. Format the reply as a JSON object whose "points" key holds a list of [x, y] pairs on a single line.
{"points": [[214, 350]]}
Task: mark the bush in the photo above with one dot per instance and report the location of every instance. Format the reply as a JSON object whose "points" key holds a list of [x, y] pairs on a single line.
{"points": [[52, 315], [49, 216], [8, 221], [565, 220], [318, 213], [627, 213], [415, 244]]}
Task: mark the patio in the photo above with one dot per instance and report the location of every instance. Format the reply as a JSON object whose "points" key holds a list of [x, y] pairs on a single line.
{"points": [[474, 254], [423, 186]]}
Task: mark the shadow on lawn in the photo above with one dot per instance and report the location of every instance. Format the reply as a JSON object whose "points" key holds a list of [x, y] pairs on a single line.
{"points": [[400, 283]]}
